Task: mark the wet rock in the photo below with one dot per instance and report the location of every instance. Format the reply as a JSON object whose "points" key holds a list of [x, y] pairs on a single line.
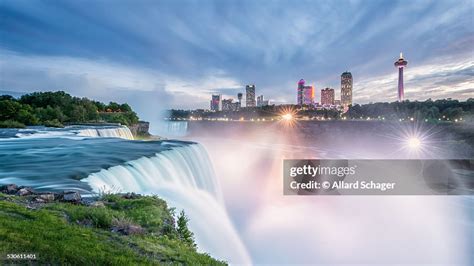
{"points": [[71, 196], [24, 191], [46, 197], [9, 189], [40, 200]]}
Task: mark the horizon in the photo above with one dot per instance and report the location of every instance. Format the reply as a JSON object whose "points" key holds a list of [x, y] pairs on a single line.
{"points": [[165, 57]]}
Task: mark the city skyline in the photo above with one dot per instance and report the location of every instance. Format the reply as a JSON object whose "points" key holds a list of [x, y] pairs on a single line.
{"points": [[305, 95], [160, 58]]}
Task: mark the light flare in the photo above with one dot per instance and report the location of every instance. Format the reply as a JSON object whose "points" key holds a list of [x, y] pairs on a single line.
{"points": [[414, 143], [287, 117]]}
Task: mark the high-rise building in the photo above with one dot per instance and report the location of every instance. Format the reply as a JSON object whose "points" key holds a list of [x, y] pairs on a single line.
{"points": [[300, 92], [216, 102], [346, 89], [226, 104], [239, 96], [305, 94], [327, 96], [229, 105], [250, 96], [261, 102], [308, 95], [401, 63]]}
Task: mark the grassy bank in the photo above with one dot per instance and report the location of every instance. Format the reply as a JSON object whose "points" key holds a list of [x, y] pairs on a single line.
{"points": [[115, 230]]}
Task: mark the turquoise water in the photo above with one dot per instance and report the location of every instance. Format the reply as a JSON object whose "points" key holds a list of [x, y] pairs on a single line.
{"points": [[102, 159], [59, 163]]}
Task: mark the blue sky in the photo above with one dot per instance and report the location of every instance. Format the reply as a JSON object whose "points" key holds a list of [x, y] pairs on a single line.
{"points": [[161, 54]]}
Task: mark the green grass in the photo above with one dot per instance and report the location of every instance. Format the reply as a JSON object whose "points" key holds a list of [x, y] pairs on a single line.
{"points": [[55, 233]]}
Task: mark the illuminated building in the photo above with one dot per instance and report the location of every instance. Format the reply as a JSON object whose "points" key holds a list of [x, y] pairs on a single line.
{"points": [[250, 96], [308, 95], [400, 63], [327, 96], [300, 91], [346, 89], [305, 94], [216, 102], [239, 97]]}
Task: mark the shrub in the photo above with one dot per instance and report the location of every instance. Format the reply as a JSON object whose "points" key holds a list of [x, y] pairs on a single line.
{"points": [[53, 123], [11, 124]]}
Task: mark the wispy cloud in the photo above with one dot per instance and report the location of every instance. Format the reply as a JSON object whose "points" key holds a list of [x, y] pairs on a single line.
{"points": [[188, 49], [148, 90], [438, 79]]}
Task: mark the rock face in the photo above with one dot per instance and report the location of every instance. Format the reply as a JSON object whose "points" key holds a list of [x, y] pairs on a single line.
{"points": [[24, 191], [46, 197], [134, 230], [129, 229], [71, 196], [13, 189], [9, 189], [140, 129]]}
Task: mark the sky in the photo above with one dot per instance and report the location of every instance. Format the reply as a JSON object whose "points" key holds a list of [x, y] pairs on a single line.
{"points": [[175, 54]]}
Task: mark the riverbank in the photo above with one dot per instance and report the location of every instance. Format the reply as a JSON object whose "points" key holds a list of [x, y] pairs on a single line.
{"points": [[117, 229]]}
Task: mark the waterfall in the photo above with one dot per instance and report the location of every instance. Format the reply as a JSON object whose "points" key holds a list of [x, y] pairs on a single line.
{"points": [[171, 129], [122, 132], [184, 177]]}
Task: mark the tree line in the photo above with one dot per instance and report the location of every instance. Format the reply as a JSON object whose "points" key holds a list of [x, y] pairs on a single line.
{"points": [[444, 110], [59, 108], [429, 110]]}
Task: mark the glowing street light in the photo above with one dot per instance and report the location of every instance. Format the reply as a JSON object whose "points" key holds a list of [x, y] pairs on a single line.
{"points": [[287, 117]]}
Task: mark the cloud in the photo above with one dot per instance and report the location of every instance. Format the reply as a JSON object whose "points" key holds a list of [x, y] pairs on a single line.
{"points": [[192, 48], [149, 92], [438, 79]]}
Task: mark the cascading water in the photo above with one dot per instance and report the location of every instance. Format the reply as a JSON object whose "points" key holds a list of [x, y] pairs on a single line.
{"points": [[184, 177], [77, 132], [171, 129], [180, 172], [122, 132]]}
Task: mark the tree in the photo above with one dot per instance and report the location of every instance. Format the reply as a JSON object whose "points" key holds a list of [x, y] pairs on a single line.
{"points": [[113, 106], [26, 115], [9, 109], [125, 107], [55, 108], [183, 232]]}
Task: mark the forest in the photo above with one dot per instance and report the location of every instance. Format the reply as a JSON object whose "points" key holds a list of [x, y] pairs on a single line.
{"points": [[55, 109]]}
